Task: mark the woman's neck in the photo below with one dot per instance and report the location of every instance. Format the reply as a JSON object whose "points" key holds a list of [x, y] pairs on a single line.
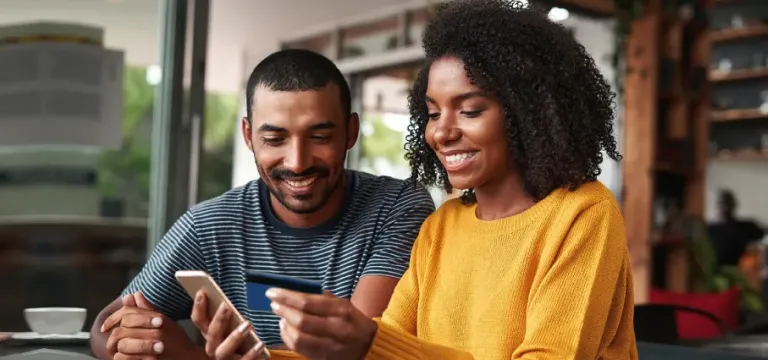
{"points": [[504, 198]]}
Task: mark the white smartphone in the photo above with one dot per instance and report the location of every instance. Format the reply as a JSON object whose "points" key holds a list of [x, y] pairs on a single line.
{"points": [[194, 281]]}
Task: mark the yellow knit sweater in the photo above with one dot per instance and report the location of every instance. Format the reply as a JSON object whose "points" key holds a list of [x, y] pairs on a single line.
{"points": [[553, 282]]}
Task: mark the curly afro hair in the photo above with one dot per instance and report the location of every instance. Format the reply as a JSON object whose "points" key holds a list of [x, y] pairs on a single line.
{"points": [[558, 108]]}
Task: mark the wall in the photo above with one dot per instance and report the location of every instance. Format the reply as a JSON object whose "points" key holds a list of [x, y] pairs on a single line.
{"points": [[284, 20], [595, 35], [747, 180]]}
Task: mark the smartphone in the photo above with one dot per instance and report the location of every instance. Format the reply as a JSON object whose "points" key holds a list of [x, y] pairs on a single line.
{"points": [[257, 283], [194, 281]]}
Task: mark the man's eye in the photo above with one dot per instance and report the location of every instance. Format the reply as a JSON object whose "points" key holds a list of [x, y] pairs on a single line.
{"points": [[272, 140]]}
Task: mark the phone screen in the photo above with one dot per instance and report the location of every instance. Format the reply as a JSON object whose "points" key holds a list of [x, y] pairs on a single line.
{"points": [[257, 284]]}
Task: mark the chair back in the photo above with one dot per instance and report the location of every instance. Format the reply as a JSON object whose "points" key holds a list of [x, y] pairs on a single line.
{"points": [[657, 323]]}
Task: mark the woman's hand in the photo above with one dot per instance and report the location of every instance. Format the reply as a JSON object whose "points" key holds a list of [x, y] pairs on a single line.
{"points": [[322, 326]]}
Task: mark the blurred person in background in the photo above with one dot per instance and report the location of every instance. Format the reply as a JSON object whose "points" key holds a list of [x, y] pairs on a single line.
{"points": [[306, 216], [730, 235], [531, 262]]}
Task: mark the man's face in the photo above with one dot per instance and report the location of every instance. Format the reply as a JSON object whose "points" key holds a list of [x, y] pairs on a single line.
{"points": [[300, 140]]}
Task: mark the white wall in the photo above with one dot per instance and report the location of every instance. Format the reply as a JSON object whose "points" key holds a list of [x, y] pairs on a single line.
{"points": [[237, 28], [595, 35], [284, 19], [242, 32], [748, 181], [598, 38]]}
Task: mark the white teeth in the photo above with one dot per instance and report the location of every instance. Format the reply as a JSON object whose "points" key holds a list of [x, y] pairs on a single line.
{"points": [[458, 158], [301, 183]]}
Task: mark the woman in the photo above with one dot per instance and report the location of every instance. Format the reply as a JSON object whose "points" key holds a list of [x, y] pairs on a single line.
{"points": [[531, 262]]}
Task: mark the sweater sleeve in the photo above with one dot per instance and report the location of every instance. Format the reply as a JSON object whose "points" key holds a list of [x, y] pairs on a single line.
{"points": [[392, 343], [396, 335], [569, 314]]}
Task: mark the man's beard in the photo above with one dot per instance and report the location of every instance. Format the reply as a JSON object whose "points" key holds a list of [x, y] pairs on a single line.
{"points": [[277, 175]]}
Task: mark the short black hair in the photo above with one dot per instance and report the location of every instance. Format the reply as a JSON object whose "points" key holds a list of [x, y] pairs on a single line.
{"points": [[727, 195], [558, 108], [297, 70]]}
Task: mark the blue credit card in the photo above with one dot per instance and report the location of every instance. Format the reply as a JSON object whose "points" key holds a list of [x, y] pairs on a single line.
{"points": [[257, 283]]}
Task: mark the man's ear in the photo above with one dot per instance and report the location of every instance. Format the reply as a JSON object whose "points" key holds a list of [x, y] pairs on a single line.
{"points": [[353, 130], [245, 127]]}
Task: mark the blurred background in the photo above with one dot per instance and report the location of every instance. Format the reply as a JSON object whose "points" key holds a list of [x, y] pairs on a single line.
{"points": [[118, 115]]}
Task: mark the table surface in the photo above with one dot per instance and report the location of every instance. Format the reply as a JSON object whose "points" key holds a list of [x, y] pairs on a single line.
{"points": [[648, 351], [740, 348], [10, 346]]}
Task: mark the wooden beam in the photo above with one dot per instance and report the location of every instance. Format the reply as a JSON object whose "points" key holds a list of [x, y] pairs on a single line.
{"points": [[702, 112], [639, 146]]}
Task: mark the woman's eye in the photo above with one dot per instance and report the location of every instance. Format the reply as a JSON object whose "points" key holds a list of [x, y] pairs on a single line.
{"points": [[434, 116], [472, 114]]}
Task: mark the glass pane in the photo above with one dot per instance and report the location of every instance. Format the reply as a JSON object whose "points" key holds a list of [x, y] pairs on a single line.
{"points": [[77, 98], [371, 38], [223, 96], [384, 124]]}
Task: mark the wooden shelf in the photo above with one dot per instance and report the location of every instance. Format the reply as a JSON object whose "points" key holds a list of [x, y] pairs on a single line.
{"points": [[740, 74], [737, 114], [740, 33], [741, 155]]}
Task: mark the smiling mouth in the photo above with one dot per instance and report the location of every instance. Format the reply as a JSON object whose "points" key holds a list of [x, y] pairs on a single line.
{"points": [[458, 159], [302, 183]]}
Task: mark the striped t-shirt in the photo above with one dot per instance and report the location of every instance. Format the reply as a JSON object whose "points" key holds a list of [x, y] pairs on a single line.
{"points": [[372, 235]]}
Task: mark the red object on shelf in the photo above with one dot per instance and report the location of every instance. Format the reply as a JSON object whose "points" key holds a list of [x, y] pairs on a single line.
{"points": [[724, 305]]}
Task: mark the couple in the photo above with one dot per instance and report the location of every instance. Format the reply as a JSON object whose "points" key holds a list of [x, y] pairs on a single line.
{"points": [[529, 263]]}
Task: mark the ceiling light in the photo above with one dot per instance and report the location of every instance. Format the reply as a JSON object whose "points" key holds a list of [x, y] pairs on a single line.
{"points": [[557, 14]]}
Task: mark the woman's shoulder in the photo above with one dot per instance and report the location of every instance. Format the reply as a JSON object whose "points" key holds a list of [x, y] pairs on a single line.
{"points": [[590, 195], [450, 209], [450, 214]]}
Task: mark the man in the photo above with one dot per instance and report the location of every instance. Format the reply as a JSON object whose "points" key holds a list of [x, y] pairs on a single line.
{"points": [[731, 236], [305, 217]]}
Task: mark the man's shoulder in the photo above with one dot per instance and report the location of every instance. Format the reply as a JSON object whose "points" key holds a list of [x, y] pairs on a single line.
{"points": [[230, 204], [379, 186]]}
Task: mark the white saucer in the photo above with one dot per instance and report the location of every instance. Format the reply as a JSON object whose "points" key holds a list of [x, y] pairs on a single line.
{"points": [[36, 336]]}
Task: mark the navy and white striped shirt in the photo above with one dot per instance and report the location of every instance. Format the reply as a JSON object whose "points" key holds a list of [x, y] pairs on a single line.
{"points": [[237, 231]]}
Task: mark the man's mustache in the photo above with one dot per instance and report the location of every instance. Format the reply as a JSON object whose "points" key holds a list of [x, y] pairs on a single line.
{"points": [[285, 174]]}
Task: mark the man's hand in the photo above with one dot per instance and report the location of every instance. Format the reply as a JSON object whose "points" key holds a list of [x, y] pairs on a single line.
{"points": [[147, 334], [221, 344]]}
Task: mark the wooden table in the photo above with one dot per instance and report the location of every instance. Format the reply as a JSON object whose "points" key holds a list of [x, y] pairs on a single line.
{"points": [[648, 351]]}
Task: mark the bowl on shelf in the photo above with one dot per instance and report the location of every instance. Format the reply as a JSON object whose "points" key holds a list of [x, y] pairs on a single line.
{"points": [[55, 320]]}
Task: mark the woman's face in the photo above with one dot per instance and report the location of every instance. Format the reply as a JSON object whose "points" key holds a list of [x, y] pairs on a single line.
{"points": [[465, 127]]}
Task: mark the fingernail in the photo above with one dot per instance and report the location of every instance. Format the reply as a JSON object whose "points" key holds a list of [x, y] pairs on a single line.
{"points": [[157, 322], [271, 294], [158, 347], [102, 327], [244, 326], [275, 306], [282, 324], [199, 297], [259, 346]]}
